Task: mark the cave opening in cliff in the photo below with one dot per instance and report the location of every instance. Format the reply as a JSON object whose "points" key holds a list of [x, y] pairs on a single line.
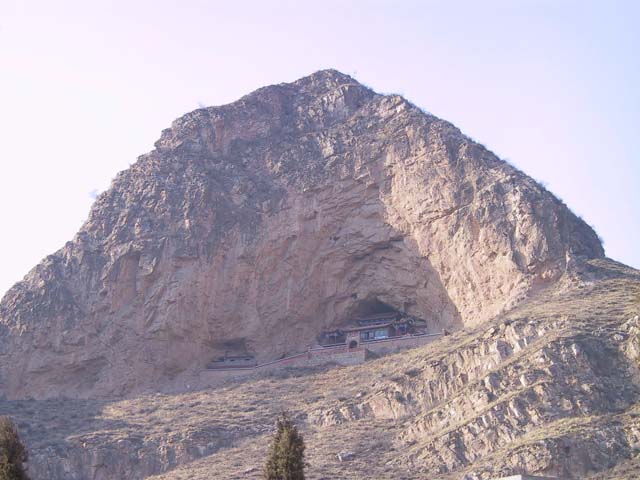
{"points": [[371, 307]]}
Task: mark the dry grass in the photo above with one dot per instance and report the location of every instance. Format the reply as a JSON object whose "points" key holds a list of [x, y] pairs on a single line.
{"points": [[223, 433]]}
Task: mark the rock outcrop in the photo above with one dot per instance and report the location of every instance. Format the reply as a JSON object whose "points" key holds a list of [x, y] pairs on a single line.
{"points": [[255, 225], [550, 388]]}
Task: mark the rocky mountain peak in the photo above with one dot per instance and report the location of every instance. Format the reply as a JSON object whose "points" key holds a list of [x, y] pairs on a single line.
{"points": [[327, 79], [326, 82]]}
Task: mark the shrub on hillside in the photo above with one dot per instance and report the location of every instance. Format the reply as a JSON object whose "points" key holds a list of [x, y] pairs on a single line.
{"points": [[12, 452], [286, 452]]}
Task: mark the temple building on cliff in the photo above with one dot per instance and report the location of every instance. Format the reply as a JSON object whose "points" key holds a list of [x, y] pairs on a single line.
{"points": [[374, 327], [232, 361]]}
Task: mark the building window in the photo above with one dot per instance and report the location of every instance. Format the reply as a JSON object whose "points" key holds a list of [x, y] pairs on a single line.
{"points": [[374, 334], [381, 333]]}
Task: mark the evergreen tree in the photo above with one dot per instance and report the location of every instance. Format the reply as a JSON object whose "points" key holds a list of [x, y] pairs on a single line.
{"points": [[286, 453], [12, 452]]}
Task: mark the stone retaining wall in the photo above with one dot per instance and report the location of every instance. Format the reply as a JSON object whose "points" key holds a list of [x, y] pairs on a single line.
{"points": [[341, 355]]}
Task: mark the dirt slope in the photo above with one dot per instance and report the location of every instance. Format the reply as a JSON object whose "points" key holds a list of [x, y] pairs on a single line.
{"points": [[550, 388]]}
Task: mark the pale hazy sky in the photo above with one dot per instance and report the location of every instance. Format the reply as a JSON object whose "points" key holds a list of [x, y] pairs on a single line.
{"points": [[87, 86]]}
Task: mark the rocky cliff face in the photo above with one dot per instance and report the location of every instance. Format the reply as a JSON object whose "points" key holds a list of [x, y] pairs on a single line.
{"points": [[550, 388], [255, 225]]}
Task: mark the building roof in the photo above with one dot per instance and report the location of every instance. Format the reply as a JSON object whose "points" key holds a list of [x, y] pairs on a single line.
{"points": [[367, 327], [375, 316], [379, 320], [234, 357]]}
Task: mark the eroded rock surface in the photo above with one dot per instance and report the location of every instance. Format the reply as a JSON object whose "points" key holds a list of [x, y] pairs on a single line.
{"points": [[254, 225], [549, 388]]}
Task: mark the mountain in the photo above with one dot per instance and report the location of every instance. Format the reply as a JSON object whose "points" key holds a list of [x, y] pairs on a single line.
{"points": [[255, 225]]}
